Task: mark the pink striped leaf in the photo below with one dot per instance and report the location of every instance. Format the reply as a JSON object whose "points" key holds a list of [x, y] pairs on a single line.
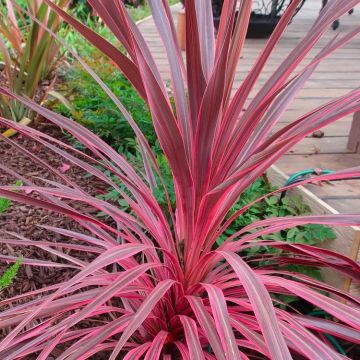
{"points": [[262, 306]]}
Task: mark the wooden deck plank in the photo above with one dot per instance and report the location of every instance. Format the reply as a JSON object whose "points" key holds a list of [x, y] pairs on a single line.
{"points": [[343, 205], [325, 145]]}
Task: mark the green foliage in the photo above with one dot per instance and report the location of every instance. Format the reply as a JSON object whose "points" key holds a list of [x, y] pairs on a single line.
{"points": [[6, 203], [278, 207], [81, 9], [9, 275], [96, 111], [274, 206]]}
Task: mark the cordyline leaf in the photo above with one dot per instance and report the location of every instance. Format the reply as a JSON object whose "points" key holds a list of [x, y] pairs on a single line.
{"points": [[222, 321], [347, 314], [184, 351], [142, 313], [314, 284], [105, 259], [163, 21], [206, 35], [192, 338], [237, 43], [195, 75], [262, 306], [208, 325], [243, 92], [336, 220], [336, 175], [48, 350], [52, 207], [254, 338], [329, 327], [138, 352], [35, 262], [306, 343], [156, 347], [84, 346], [108, 292]]}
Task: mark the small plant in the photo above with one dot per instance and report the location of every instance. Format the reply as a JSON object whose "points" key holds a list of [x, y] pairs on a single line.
{"points": [[30, 53], [160, 286], [6, 203], [95, 110], [81, 9], [277, 206], [7, 278]]}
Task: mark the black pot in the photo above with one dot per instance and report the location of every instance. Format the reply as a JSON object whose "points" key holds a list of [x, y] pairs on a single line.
{"points": [[261, 26]]}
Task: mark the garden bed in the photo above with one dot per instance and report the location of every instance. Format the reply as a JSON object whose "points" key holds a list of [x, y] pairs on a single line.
{"points": [[26, 221]]}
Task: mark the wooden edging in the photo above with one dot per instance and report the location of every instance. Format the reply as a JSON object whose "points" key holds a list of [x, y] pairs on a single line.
{"points": [[348, 238]]}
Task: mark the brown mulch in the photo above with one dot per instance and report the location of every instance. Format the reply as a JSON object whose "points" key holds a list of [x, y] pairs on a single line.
{"points": [[25, 220]]}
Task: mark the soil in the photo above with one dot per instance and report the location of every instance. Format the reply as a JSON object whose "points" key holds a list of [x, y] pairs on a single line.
{"points": [[25, 220]]}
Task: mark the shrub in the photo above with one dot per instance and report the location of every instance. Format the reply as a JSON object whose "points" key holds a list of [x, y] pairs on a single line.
{"points": [[96, 111], [30, 53], [159, 285]]}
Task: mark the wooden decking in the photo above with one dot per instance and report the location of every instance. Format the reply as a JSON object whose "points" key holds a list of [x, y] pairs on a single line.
{"points": [[337, 75]]}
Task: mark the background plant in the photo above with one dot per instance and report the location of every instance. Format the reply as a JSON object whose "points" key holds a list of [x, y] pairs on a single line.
{"points": [[159, 283], [8, 276], [31, 55], [93, 108]]}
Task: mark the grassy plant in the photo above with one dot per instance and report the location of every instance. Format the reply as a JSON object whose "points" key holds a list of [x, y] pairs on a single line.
{"points": [[160, 287], [30, 54]]}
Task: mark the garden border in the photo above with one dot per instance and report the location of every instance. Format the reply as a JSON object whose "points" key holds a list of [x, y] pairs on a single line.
{"points": [[347, 240]]}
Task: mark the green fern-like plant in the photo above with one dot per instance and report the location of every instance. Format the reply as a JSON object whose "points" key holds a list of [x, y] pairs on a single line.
{"points": [[9, 275]]}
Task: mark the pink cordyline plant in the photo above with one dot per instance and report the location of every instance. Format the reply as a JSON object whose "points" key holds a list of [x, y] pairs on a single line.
{"points": [[159, 282]]}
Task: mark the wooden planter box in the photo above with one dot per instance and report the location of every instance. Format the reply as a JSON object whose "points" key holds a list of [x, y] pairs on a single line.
{"points": [[348, 238]]}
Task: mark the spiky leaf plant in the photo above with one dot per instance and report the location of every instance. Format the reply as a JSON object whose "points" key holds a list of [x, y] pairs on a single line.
{"points": [[30, 53], [159, 286]]}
